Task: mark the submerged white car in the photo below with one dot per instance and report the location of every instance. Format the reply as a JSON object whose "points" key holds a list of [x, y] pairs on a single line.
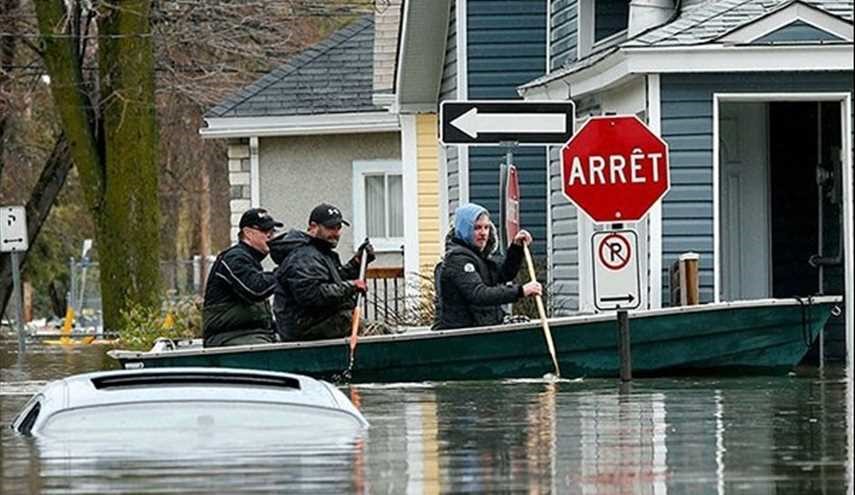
{"points": [[188, 408]]}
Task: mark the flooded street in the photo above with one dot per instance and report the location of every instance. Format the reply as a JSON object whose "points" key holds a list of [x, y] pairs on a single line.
{"points": [[688, 435]]}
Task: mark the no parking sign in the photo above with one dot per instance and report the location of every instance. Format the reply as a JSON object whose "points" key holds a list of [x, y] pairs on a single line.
{"points": [[617, 279]]}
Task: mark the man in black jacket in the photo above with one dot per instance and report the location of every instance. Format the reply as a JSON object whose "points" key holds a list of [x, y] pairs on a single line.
{"points": [[473, 283], [236, 310], [316, 294]]}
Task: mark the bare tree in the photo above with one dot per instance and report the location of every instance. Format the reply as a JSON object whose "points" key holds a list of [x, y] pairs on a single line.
{"points": [[203, 50]]}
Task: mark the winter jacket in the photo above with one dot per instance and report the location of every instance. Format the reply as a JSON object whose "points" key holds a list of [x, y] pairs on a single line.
{"points": [[473, 285], [236, 297], [312, 285]]}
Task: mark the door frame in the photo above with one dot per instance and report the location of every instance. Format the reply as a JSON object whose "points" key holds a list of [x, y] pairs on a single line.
{"points": [[719, 288], [845, 100]]}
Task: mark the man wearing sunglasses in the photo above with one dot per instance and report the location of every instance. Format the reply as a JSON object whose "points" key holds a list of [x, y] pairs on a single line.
{"points": [[236, 310]]}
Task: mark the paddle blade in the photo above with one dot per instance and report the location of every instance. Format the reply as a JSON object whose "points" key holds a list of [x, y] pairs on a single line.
{"points": [[354, 327]]}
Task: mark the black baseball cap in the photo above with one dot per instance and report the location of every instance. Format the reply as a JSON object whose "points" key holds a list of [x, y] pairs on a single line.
{"points": [[258, 218], [327, 215]]}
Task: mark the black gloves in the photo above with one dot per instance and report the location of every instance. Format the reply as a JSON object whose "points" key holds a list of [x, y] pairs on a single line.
{"points": [[369, 250]]}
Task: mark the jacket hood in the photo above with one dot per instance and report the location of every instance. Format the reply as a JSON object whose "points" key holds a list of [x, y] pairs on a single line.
{"points": [[464, 221], [282, 245], [465, 217]]}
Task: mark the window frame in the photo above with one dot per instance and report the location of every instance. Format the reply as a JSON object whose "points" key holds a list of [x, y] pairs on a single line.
{"points": [[586, 42], [362, 169]]}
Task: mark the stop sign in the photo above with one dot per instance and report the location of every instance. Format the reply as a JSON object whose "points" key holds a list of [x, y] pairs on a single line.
{"points": [[614, 169]]}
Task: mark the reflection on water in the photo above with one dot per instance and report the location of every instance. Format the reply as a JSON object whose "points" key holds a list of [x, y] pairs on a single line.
{"points": [[703, 435]]}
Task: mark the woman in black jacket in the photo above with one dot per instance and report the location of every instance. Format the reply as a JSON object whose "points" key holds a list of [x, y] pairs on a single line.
{"points": [[473, 283]]}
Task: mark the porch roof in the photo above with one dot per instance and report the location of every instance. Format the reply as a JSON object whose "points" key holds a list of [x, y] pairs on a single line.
{"points": [[699, 23]]}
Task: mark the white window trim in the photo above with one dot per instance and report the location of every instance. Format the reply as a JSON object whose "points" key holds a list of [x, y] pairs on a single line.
{"points": [[361, 168], [254, 173], [584, 28], [586, 31]]}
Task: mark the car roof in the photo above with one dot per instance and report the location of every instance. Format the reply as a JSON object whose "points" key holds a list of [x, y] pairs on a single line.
{"points": [[187, 384]]}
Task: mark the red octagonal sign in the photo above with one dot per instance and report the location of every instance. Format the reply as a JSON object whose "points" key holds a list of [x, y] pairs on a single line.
{"points": [[614, 169]]}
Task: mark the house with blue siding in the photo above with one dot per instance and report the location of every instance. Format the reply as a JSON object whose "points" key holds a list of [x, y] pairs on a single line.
{"points": [[475, 50], [754, 98]]}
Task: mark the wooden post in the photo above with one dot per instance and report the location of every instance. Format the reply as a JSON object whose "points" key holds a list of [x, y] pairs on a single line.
{"points": [[28, 302], [690, 290], [624, 350]]}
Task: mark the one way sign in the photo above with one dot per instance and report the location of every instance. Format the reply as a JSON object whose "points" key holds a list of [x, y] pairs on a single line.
{"points": [[492, 122]]}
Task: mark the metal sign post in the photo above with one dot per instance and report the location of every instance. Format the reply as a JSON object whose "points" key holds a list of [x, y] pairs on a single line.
{"points": [[13, 239]]}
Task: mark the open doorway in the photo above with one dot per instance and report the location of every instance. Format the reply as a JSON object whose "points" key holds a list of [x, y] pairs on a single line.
{"points": [[780, 203]]}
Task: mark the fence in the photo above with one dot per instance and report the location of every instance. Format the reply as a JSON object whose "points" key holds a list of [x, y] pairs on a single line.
{"points": [[181, 278], [386, 293]]}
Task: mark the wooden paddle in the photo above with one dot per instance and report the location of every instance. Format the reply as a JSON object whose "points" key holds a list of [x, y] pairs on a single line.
{"points": [[543, 321], [357, 310]]}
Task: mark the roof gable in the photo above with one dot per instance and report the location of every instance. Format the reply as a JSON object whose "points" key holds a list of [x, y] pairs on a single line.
{"points": [[332, 76], [794, 22], [719, 20], [797, 32]]}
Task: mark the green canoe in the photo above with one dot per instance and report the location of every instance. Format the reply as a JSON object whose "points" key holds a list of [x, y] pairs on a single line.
{"points": [[770, 335]]}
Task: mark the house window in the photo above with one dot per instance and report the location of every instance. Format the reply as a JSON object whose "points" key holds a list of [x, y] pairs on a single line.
{"points": [[610, 18], [601, 23], [378, 204]]}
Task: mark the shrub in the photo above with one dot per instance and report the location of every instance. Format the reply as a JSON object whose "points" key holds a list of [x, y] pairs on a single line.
{"points": [[179, 319]]}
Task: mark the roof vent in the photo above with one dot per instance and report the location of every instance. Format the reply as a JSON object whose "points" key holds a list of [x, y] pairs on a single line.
{"points": [[647, 14]]}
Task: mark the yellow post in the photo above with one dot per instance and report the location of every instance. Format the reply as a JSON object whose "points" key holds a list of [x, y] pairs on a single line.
{"points": [[65, 335]]}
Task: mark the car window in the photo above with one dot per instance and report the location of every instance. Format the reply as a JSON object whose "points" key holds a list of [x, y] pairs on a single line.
{"points": [[25, 427], [189, 416]]}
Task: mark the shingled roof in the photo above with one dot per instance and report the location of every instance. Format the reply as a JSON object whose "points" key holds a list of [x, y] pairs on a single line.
{"points": [[699, 22], [705, 21], [332, 76]]}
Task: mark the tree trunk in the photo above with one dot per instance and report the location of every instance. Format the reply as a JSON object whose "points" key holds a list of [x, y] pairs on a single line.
{"points": [[204, 227], [128, 225], [7, 59], [41, 201], [119, 171]]}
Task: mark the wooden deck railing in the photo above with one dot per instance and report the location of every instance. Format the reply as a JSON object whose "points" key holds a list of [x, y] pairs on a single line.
{"points": [[386, 292]]}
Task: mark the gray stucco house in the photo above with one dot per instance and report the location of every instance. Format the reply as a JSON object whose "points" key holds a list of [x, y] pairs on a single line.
{"points": [[317, 129], [754, 98]]}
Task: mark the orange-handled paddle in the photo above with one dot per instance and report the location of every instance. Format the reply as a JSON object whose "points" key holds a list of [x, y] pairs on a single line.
{"points": [[547, 333], [357, 310]]}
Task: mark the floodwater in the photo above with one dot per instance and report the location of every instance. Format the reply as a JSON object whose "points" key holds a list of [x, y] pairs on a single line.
{"points": [[784, 434]]}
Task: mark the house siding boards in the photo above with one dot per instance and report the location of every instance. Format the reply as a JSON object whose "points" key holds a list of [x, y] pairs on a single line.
{"points": [[506, 48], [428, 197], [291, 186], [565, 245], [563, 33], [687, 126], [448, 91]]}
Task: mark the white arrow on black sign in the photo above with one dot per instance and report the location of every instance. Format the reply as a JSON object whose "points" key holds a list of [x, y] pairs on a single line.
{"points": [[492, 122]]}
